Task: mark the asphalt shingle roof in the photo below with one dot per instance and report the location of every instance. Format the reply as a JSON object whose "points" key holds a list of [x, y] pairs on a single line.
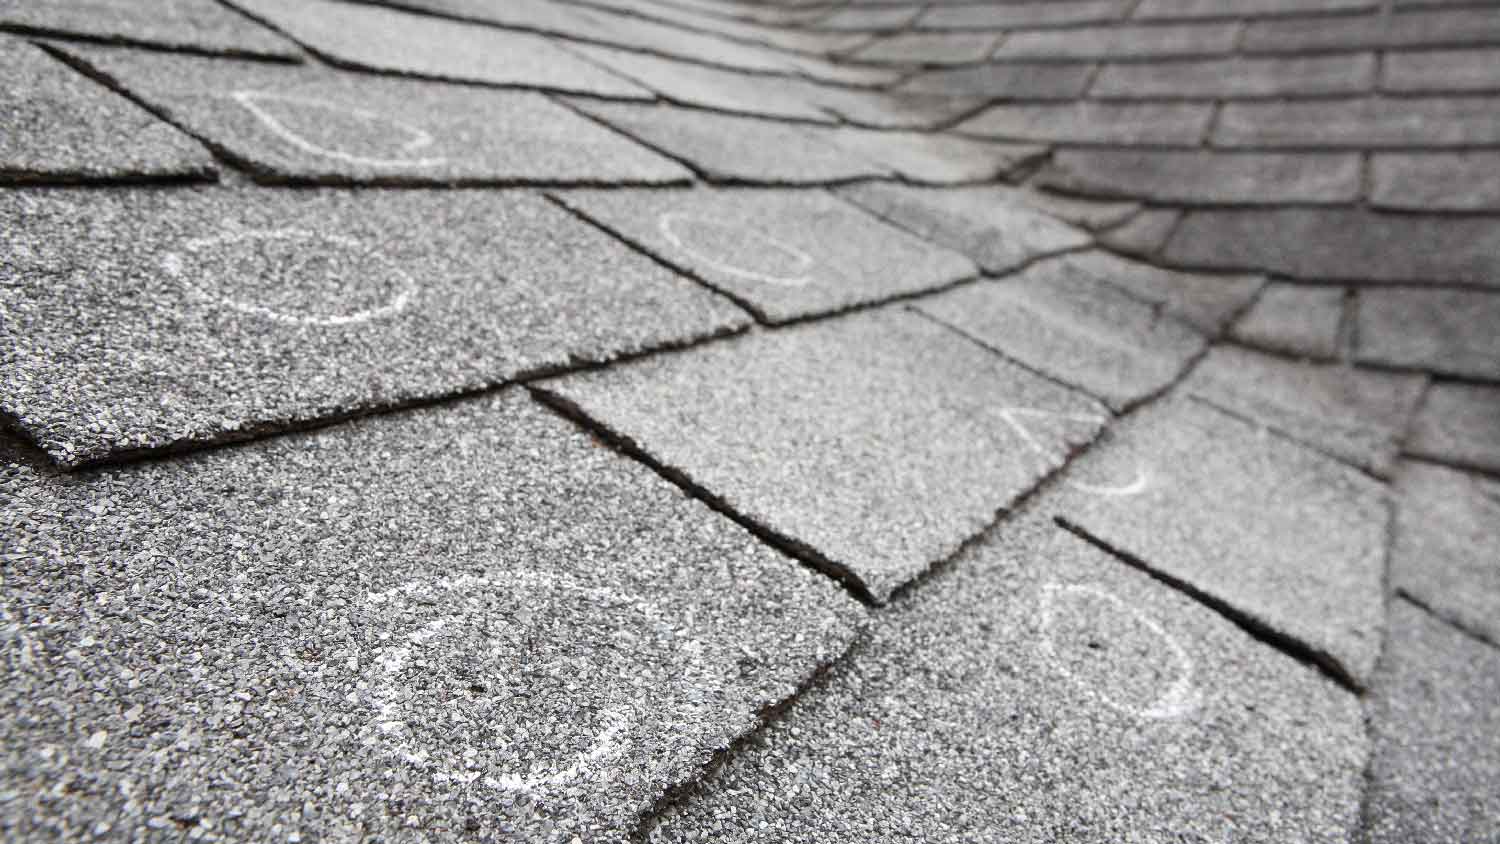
{"points": [[749, 420]]}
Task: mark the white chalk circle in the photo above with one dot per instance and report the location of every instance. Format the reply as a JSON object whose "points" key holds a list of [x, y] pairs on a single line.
{"points": [[489, 623], [1016, 418], [1180, 697], [291, 266], [406, 139], [784, 265]]}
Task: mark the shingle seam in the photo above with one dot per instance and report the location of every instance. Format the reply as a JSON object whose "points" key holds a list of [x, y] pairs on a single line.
{"points": [[683, 479], [1310, 656]]}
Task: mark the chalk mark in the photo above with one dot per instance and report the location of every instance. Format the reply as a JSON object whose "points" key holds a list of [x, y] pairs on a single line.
{"points": [[666, 225], [173, 264], [1180, 699], [420, 138]]}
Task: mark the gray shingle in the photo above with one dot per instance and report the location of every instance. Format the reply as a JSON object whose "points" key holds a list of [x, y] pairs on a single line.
{"points": [[1360, 124], [1206, 177], [391, 41], [1435, 181], [1442, 70], [784, 254], [470, 612], [1459, 424], [1066, 323], [1286, 538], [144, 319], [1143, 124], [1341, 245], [1451, 332], [1355, 415], [1427, 28], [1232, 78], [733, 149], [1447, 544], [1435, 775], [195, 25], [990, 224], [1120, 42], [1041, 692], [1204, 301], [1297, 320], [295, 123], [63, 127], [875, 445]]}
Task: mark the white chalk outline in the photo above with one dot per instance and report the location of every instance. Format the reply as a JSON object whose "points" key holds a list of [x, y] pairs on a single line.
{"points": [[1139, 484], [1180, 699], [393, 660], [664, 225], [172, 263], [420, 137]]}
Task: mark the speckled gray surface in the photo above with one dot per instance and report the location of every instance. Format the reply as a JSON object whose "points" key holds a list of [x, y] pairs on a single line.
{"points": [[1285, 537], [1205, 301], [989, 224], [708, 87], [463, 623], [1064, 322], [1446, 554], [1459, 424], [196, 25], [733, 149], [305, 124], [390, 41], [876, 443], [1296, 320], [61, 126], [785, 254], [1449, 332], [1356, 415], [145, 318], [1041, 691], [936, 159], [1435, 728]]}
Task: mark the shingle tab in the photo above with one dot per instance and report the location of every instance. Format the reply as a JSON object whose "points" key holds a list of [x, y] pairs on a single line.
{"points": [[1355, 415], [300, 124], [1131, 124], [1297, 76], [874, 445], [732, 149], [1445, 331], [1361, 124], [1296, 319], [1120, 42], [471, 612], [63, 127], [784, 254], [1428, 28], [1459, 424], [990, 224], [1447, 540], [1206, 177], [1435, 775], [390, 41], [1075, 328], [1289, 540], [1441, 70], [1042, 691], [1342, 245], [1435, 181], [196, 25], [145, 319]]}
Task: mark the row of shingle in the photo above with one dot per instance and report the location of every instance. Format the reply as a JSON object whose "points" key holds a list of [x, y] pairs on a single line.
{"points": [[1132, 42]]}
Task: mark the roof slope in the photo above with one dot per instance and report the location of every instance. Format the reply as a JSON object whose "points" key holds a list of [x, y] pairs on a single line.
{"points": [[816, 420]]}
